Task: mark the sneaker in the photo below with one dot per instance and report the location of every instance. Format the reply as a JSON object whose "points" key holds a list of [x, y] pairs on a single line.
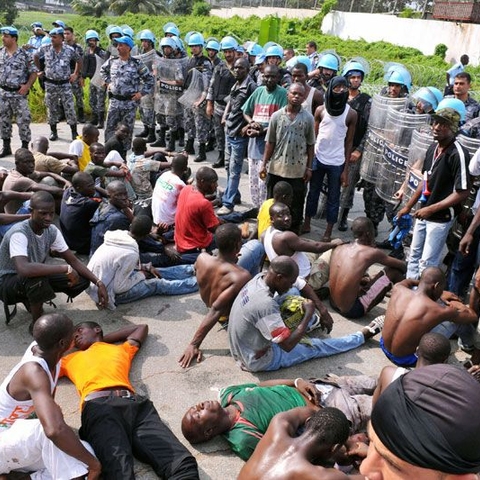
{"points": [[376, 326], [314, 323], [224, 210]]}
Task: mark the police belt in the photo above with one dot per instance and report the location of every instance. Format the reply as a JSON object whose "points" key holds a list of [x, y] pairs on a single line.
{"points": [[57, 82], [110, 393], [9, 89], [120, 97]]}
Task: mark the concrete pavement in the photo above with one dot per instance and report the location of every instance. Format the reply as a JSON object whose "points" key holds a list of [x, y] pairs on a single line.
{"points": [[172, 322]]}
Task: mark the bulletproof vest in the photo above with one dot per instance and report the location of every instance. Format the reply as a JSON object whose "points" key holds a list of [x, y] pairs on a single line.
{"points": [[197, 63], [223, 81], [358, 104]]}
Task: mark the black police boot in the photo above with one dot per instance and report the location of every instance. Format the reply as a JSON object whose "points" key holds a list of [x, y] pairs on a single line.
{"points": [[220, 160], [53, 135], [189, 148], [73, 128], [25, 144], [171, 143], [343, 224], [101, 121], [94, 120], [7, 149], [181, 137], [151, 135], [210, 147], [160, 142], [81, 116], [202, 155]]}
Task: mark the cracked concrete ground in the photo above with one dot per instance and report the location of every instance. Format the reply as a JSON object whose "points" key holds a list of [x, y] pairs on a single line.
{"points": [[172, 322]]}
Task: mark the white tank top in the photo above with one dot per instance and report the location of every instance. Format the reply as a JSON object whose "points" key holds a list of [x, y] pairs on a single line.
{"points": [[11, 409], [307, 104], [299, 257], [330, 144]]}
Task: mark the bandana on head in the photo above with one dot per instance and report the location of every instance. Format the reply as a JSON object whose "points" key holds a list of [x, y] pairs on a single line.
{"points": [[429, 418], [335, 103]]}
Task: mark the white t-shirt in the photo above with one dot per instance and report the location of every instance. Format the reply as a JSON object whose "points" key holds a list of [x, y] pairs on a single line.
{"points": [[76, 148], [165, 197], [19, 244]]}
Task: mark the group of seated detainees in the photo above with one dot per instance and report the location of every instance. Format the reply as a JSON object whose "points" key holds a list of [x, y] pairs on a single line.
{"points": [[148, 229]]}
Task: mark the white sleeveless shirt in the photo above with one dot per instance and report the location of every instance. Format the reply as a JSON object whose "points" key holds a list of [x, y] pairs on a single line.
{"points": [[11, 409], [330, 144]]}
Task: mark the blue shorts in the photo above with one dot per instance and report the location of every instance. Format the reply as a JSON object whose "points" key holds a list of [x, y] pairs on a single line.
{"points": [[405, 361]]}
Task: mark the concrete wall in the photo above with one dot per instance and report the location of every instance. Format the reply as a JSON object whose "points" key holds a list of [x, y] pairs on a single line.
{"points": [[263, 12], [421, 34]]}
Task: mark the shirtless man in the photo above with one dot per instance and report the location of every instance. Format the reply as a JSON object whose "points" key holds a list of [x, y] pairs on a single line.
{"points": [[352, 292], [219, 280], [404, 327], [283, 455], [433, 348], [278, 240]]}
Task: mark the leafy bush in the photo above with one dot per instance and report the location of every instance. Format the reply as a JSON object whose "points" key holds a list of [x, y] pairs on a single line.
{"points": [[440, 50], [201, 9]]}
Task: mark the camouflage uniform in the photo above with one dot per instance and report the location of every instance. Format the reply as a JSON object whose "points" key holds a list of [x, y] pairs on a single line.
{"points": [[14, 71], [58, 89], [220, 85], [197, 124], [77, 89], [124, 79]]}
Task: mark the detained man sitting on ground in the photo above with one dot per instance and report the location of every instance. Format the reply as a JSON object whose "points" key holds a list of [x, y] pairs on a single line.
{"points": [[352, 292], [56, 162], [258, 336], [414, 309], [25, 275], [117, 263], [220, 279], [279, 240]]}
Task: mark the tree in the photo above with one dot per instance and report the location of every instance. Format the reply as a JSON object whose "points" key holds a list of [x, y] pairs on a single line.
{"points": [[181, 7], [8, 11], [91, 8], [151, 7]]}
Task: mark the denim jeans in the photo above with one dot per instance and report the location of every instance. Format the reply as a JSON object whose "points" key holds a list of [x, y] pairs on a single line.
{"points": [[176, 280], [236, 150], [427, 244], [320, 348], [463, 267], [333, 174], [250, 257], [465, 332]]}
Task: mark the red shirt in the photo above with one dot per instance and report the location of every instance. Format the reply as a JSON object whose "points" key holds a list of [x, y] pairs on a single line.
{"points": [[193, 219]]}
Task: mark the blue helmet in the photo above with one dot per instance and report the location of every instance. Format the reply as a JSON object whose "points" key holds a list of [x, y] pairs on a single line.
{"points": [[329, 61], [300, 59], [228, 43], [59, 23], [147, 35], [89, 34], [46, 41], [397, 73], [274, 51], [254, 49], [259, 59], [171, 28], [353, 66], [57, 31], [178, 43], [454, 103], [270, 44], [240, 49], [9, 31], [426, 96], [128, 31], [212, 44], [438, 94], [36, 25], [195, 38], [111, 29], [126, 40], [169, 42]]}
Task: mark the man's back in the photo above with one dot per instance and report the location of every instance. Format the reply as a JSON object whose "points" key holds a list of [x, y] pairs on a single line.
{"points": [[215, 276], [409, 315], [349, 263]]}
